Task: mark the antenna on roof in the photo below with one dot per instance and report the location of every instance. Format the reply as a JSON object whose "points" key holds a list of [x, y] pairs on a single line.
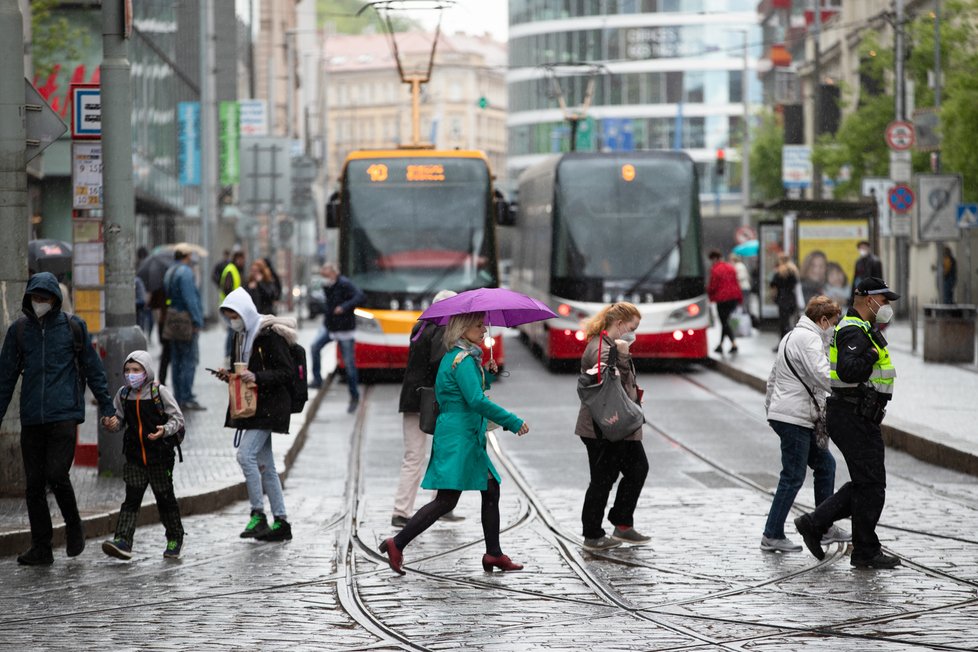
{"points": [[422, 75]]}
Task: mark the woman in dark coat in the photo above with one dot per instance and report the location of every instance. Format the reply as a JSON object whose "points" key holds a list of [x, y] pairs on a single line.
{"points": [[262, 287], [426, 350], [785, 295], [614, 326], [459, 461]]}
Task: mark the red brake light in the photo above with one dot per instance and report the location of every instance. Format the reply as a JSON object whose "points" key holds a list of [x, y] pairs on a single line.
{"points": [[693, 309]]}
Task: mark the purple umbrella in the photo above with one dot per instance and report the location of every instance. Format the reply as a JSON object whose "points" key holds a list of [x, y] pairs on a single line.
{"points": [[502, 307]]}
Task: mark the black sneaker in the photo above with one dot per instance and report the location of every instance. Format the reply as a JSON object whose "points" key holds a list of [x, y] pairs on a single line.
{"points": [[75, 537], [257, 526], [398, 521], [36, 557], [118, 548], [630, 535], [280, 531], [598, 544], [352, 407], [813, 539], [173, 548], [879, 561]]}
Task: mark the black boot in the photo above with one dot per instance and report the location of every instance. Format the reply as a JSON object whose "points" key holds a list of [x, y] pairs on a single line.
{"points": [[36, 556]]}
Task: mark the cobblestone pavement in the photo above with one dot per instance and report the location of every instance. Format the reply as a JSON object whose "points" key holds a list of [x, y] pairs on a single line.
{"points": [[701, 584]]}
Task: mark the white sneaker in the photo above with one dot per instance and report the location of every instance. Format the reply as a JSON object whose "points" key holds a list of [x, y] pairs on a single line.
{"points": [[779, 545], [836, 534]]}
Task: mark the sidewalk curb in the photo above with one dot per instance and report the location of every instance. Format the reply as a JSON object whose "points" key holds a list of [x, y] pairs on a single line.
{"points": [[918, 446], [97, 525]]}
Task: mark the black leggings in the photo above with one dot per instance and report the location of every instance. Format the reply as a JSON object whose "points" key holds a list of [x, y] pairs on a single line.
{"points": [[444, 502], [724, 310]]}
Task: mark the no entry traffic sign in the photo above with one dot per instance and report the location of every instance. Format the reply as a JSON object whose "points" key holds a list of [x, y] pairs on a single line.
{"points": [[901, 198], [900, 136]]}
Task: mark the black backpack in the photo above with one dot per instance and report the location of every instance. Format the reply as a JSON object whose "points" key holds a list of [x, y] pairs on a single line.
{"points": [[299, 388], [154, 390]]}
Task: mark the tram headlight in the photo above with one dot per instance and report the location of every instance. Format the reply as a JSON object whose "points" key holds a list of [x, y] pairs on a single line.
{"points": [[366, 322], [687, 312]]}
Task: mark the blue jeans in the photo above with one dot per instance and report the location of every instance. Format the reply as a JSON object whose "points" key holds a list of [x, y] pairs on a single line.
{"points": [[184, 358], [258, 465], [798, 450], [346, 350]]}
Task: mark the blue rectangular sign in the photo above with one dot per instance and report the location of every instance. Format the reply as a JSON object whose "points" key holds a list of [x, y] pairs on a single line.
{"points": [[188, 121]]}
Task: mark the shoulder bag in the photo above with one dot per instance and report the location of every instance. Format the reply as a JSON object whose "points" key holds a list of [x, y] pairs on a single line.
{"points": [[616, 415], [821, 431]]}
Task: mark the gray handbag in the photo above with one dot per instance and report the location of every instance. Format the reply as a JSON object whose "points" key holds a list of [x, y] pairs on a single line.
{"points": [[615, 414]]}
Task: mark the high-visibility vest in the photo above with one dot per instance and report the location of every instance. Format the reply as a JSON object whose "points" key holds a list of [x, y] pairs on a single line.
{"points": [[231, 269], [881, 379]]}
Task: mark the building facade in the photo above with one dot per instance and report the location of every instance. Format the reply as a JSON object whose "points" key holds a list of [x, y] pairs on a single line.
{"points": [[669, 76], [368, 107]]}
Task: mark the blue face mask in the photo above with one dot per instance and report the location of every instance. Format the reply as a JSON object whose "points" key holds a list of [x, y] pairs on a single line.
{"points": [[136, 380]]}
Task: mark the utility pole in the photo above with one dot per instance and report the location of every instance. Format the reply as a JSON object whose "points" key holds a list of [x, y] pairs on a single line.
{"points": [[13, 217], [208, 145], [936, 161], [817, 94], [745, 93], [901, 170], [120, 336]]}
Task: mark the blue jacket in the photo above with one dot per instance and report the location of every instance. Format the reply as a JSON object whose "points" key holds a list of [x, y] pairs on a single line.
{"points": [[52, 390], [182, 292], [345, 294]]}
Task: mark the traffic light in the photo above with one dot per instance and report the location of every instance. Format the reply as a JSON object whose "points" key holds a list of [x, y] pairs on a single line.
{"points": [[721, 162], [483, 102]]}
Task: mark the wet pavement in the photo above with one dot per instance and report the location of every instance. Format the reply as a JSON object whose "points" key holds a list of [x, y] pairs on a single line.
{"points": [[701, 584]]}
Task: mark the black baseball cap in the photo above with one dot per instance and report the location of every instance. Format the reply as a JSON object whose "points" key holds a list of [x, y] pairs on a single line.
{"points": [[872, 286]]}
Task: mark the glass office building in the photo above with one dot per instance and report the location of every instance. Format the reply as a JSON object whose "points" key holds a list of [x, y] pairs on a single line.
{"points": [[670, 78]]}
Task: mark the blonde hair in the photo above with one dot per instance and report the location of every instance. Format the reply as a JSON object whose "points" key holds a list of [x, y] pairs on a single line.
{"points": [[458, 324], [821, 306], [621, 311]]}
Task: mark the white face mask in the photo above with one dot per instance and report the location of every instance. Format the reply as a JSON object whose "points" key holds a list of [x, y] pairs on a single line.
{"points": [[41, 308], [627, 337], [329, 282], [863, 252], [237, 324], [884, 314], [135, 380]]}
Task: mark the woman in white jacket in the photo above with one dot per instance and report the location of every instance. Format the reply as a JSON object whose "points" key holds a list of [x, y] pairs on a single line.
{"points": [[791, 413]]}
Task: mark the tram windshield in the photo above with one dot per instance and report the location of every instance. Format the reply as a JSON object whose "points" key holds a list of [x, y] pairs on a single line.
{"points": [[618, 226], [419, 225]]}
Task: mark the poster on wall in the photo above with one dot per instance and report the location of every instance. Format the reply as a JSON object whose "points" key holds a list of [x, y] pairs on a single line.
{"points": [[771, 237], [827, 254]]}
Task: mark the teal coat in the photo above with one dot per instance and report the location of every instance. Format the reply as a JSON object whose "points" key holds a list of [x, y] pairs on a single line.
{"points": [[459, 459]]}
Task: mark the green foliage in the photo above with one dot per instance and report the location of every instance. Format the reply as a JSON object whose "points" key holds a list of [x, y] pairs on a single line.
{"points": [[767, 140], [54, 38], [859, 143], [342, 15]]}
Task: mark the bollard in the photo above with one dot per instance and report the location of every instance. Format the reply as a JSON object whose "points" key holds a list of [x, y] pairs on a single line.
{"points": [[114, 345]]}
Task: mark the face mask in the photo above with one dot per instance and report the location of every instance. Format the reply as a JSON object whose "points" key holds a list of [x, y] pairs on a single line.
{"points": [[627, 337], [328, 282], [884, 314], [237, 325], [41, 308], [863, 253], [135, 380]]}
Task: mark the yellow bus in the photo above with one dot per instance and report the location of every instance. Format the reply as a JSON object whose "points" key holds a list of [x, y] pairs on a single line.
{"points": [[412, 222]]}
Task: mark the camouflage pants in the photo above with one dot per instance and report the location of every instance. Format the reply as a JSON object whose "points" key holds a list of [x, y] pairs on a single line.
{"points": [[159, 477]]}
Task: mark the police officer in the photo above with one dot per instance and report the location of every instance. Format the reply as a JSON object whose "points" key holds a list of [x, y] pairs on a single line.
{"points": [[862, 378]]}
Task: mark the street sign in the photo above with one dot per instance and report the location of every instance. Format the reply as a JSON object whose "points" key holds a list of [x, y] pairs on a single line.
{"points": [[796, 166], [939, 196], [899, 135], [43, 124], [901, 198], [967, 216], [877, 187], [188, 132], [744, 234], [86, 111], [86, 175], [253, 117]]}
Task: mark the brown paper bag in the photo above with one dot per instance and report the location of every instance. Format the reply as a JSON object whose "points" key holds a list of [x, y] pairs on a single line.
{"points": [[242, 397]]}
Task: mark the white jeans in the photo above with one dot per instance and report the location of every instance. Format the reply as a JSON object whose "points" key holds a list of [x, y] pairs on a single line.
{"points": [[416, 447]]}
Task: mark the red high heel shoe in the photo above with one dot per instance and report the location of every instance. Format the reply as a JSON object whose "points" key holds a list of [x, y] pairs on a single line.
{"points": [[394, 556], [502, 562]]}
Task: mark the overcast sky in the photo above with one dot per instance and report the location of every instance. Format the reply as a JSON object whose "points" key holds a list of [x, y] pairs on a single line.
{"points": [[473, 17]]}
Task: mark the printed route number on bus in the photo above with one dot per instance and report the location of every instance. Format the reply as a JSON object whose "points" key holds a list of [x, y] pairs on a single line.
{"points": [[378, 172]]}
